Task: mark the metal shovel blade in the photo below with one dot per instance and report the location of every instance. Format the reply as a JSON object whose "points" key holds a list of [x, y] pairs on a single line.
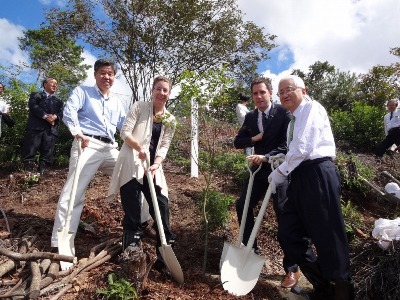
{"points": [[166, 251], [172, 263], [240, 269], [66, 246]]}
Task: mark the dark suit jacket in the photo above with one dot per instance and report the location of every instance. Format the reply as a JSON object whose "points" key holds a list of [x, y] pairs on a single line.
{"points": [[39, 105], [274, 137]]}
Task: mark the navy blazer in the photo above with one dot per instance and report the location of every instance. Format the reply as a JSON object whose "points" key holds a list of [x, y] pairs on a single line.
{"points": [[39, 105], [274, 137]]}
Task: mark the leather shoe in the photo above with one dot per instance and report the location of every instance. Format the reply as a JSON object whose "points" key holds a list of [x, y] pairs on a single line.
{"points": [[290, 280]]}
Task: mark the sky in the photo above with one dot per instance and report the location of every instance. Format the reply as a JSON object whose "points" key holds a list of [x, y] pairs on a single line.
{"points": [[352, 35]]}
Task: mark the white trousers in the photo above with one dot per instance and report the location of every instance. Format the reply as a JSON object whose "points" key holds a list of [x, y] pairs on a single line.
{"points": [[98, 156]]}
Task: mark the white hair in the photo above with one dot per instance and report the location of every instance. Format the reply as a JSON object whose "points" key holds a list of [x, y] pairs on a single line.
{"points": [[298, 82]]}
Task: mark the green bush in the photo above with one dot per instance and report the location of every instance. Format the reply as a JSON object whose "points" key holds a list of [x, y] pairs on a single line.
{"points": [[359, 129], [352, 218], [349, 174], [217, 207], [119, 289]]}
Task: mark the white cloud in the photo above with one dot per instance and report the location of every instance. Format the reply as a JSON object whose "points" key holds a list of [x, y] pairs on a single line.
{"points": [[351, 35], [9, 49]]}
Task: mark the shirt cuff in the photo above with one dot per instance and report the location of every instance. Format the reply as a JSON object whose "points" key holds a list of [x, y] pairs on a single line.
{"points": [[284, 168]]}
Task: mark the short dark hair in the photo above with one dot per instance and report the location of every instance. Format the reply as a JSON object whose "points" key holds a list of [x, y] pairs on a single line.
{"points": [[243, 97], [264, 80], [47, 79], [105, 62]]}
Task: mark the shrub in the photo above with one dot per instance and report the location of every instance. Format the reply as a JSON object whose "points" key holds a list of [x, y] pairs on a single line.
{"points": [[217, 207], [361, 128], [118, 289]]}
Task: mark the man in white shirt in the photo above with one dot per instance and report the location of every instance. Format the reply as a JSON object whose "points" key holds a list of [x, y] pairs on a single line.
{"points": [[392, 129], [241, 111], [313, 209], [4, 107]]}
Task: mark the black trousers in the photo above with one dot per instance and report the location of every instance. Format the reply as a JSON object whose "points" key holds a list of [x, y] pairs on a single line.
{"points": [[393, 137], [41, 141], [130, 198], [313, 211]]}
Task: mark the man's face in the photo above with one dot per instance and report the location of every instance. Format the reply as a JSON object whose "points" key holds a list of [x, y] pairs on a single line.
{"points": [[261, 96], [290, 95], [391, 106], [50, 86], [105, 77]]}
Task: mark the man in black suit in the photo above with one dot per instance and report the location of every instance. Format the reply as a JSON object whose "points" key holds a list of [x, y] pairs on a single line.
{"points": [[264, 129], [45, 113]]}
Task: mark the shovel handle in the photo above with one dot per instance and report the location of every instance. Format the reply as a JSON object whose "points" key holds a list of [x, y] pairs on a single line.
{"points": [[259, 218], [154, 200], [72, 196], [247, 201]]}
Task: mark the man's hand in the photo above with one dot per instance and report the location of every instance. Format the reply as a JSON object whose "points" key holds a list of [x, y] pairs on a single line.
{"points": [[85, 140], [276, 178], [257, 159], [257, 137]]}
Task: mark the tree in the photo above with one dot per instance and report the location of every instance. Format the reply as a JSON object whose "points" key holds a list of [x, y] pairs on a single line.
{"points": [[378, 86], [154, 37], [55, 55], [209, 90]]}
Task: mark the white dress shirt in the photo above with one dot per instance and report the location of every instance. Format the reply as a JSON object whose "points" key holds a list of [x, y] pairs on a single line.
{"points": [[391, 123], [312, 136], [241, 111]]}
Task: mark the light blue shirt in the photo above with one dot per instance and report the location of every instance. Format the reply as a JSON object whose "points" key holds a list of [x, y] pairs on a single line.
{"points": [[87, 111]]}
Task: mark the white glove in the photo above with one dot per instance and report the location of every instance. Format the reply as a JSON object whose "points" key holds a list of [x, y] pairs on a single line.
{"points": [[276, 179]]}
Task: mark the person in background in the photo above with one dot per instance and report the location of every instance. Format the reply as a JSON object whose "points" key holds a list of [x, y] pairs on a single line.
{"points": [[92, 115], [391, 123], [313, 209], [264, 128], [241, 111], [45, 113], [4, 106], [147, 134]]}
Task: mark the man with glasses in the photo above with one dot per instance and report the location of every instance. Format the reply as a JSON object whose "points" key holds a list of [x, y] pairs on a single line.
{"points": [[45, 113], [313, 207]]}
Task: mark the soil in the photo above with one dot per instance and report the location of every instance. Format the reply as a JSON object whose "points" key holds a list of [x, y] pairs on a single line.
{"points": [[31, 207]]}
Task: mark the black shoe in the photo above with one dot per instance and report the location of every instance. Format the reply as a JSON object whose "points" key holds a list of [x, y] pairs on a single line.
{"points": [[130, 241]]}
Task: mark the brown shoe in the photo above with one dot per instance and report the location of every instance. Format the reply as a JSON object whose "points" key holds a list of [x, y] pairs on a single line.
{"points": [[290, 280]]}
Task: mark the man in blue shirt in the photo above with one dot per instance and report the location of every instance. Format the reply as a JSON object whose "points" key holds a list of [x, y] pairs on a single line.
{"points": [[92, 114]]}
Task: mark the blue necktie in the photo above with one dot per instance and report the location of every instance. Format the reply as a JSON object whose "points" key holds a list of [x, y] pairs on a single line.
{"points": [[391, 115]]}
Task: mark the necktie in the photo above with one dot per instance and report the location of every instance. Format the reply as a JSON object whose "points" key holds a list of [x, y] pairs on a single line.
{"points": [[291, 128], [391, 115], [264, 121]]}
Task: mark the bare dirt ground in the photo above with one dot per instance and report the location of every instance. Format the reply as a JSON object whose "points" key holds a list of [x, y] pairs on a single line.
{"points": [[32, 208]]}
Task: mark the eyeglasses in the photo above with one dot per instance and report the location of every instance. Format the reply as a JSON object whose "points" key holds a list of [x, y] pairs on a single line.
{"points": [[287, 91]]}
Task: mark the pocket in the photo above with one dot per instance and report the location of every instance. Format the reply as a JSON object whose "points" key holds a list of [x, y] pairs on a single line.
{"points": [[114, 116]]}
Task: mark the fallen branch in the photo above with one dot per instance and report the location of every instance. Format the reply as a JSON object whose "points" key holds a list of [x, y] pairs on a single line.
{"points": [[36, 256], [34, 290]]}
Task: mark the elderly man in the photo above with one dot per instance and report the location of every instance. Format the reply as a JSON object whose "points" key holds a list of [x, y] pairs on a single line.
{"points": [[313, 209]]}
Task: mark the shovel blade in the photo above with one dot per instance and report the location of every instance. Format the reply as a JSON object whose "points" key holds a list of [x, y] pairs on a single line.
{"points": [[66, 246], [172, 263], [240, 270], [223, 255]]}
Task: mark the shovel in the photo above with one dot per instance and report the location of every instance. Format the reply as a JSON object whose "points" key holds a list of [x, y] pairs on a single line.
{"points": [[244, 215], [166, 251], [64, 235], [242, 267]]}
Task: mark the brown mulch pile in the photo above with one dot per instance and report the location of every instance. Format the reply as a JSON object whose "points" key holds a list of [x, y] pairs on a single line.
{"points": [[30, 207]]}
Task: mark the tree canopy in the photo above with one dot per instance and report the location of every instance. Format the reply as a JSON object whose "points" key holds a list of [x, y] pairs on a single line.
{"points": [[153, 37], [55, 55]]}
